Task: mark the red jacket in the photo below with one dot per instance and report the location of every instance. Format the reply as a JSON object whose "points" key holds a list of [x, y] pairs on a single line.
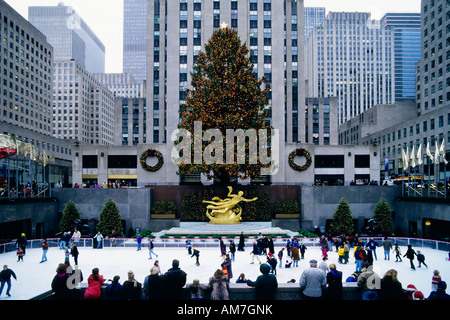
{"points": [[93, 291]]}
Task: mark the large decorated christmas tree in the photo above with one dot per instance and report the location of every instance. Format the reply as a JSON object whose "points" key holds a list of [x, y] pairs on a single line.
{"points": [[225, 94]]}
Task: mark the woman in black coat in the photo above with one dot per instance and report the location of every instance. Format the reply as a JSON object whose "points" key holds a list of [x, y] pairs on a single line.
{"points": [[334, 283], [391, 288], [59, 284]]}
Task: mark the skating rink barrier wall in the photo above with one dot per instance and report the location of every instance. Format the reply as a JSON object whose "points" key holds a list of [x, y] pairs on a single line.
{"points": [[214, 243]]}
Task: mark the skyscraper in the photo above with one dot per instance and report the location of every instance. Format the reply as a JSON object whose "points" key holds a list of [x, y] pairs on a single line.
{"points": [[69, 35], [273, 31], [26, 74], [313, 17], [351, 56], [135, 38], [83, 108], [407, 43]]}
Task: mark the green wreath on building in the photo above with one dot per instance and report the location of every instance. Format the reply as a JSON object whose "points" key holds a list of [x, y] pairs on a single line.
{"points": [[151, 153], [300, 153]]}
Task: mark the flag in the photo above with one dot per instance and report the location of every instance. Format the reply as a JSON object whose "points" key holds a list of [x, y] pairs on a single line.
{"points": [[413, 157], [405, 159], [442, 151], [428, 151], [7, 146], [436, 152], [419, 155]]}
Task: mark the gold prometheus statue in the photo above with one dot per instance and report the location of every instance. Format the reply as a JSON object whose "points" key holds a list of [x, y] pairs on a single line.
{"points": [[226, 211]]}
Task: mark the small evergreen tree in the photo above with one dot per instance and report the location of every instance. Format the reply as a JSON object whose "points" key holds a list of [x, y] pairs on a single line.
{"points": [[342, 219], [109, 219], [382, 214], [69, 215]]}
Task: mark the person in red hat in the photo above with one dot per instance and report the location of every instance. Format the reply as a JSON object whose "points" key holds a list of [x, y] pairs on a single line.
{"points": [[418, 295], [410, 289]]}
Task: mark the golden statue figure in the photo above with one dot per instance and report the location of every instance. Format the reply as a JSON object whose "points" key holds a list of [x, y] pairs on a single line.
{"points": [[226, 211]]}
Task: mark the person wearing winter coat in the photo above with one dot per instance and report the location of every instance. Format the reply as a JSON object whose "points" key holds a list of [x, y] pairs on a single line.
{"points": [[255, 252], [227, 263], [334, 283], [280, 256], [173, 282], [114, 290], [410, 253], [295, 255], [313, 281], [359, 257], [99, 239], [5, 278], [391, 288], [196, 254], [398, 253], [367, 283], [303, 248], [131, 288], [241, 244], [265, 285], [44, 250], [219, 286], [139, 242], [22, 242], [421, 259], [94, 289], [74, 252], [387, 246], [232, 250], [197, 290], [153, 289], [59, 284], [272, 263], [372, 245]]}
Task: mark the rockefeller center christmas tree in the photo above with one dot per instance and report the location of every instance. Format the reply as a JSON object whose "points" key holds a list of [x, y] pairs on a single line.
{"points": [[225, 95]]}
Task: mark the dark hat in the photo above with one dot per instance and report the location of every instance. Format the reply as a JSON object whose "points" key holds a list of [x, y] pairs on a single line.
{"points": [[264, 268]]}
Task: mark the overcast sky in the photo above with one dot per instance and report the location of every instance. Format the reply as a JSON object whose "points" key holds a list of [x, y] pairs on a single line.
{"points": [[105, 17]]}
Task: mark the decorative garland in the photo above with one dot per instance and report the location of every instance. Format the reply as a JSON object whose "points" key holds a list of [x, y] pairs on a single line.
{"points": [[299, 152], [151, 153]]}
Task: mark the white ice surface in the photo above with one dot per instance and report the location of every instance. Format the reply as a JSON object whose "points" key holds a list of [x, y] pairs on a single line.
{"points": [[34, 278]]}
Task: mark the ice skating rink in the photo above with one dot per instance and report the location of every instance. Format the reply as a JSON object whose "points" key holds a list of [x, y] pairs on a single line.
{"points": [[34, 278]]}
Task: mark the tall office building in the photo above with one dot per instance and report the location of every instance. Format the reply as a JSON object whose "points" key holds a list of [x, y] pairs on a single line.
{"points": [[406, 29], [313, 17], [26, 101], [122, 84], [351, 56], [425, 121], [83, 108], [273, 31], [69, 35], [135, 38], [25, 73]]}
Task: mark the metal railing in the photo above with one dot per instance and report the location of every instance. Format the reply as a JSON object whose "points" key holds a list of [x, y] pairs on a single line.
{"points": [[180, 242]]}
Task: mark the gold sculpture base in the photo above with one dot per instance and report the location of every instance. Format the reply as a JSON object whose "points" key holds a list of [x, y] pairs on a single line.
{"points": [[226, 211]]}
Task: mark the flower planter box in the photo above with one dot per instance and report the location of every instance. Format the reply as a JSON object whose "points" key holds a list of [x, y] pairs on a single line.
{"points": [[287, 216], [162, 216]]}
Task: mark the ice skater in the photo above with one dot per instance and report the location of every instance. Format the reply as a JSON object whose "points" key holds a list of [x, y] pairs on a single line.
{"points": [[150, 248], [255, 253], [421, 259], [196, 254], [410, 253], [19, 254], [398, 253], [5, 277]]}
